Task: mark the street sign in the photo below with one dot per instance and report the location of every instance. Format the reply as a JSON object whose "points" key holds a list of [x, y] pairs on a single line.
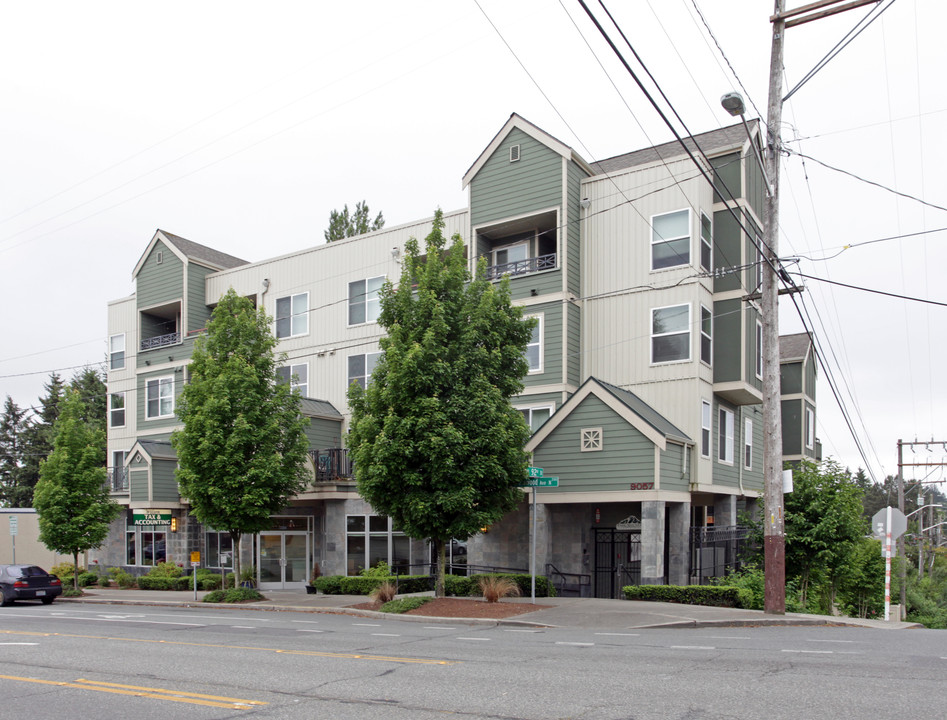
{"points": [[541, 482], [534, 472], [899, 523], [13, 523]]}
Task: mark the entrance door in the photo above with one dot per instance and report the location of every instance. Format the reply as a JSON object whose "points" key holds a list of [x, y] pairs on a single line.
{"points": [[617, 561], [283, 560]]}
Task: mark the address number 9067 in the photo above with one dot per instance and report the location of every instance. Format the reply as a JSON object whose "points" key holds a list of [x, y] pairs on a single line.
{"points": [[642, 486]]}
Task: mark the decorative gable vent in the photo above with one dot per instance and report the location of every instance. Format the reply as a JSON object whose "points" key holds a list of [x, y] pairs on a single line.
{"points": [[514, 153], [591, 439], [159, 257]]}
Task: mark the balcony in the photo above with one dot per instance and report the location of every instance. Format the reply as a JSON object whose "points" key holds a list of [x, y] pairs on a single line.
{"points": [[161, 341], [160, 326], [522, 267], [332, 465], [118, 479]]}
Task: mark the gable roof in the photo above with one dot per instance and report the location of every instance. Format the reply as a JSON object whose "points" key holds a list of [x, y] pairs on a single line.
{"points": [[626, 404], [320, 409], [534, 132], [154, 449], [189, 251], [711, 142], [793, 348]]}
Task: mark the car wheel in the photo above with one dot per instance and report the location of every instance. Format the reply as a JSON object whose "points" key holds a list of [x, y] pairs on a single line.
{"points": [[5, 600], [47, 600]]}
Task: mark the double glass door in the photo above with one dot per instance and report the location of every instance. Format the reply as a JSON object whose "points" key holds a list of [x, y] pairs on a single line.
{"points": [[283, 560]]}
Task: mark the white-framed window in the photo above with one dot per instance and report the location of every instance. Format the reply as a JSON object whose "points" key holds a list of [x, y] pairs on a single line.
{"points": [[706, 419], [145, 546], [370, 539], [292, 315], [810, 428], [670, 334], [117, 352], [117, 410], [725, 436], [118, 474], [706, 335], [219, 549], [159, 398], [590, 439], [361, 367], [534, 348], [748, 443], [759, 350], [364, 303], [671, 239], [297, 376], [536, 416], [510, 254], [706, 243]]}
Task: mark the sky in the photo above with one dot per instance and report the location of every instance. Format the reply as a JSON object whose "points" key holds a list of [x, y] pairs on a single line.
{"points": [[242, 125]]}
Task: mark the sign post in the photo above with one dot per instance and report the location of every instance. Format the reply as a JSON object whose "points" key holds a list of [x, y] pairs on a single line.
{"points": [[195, 563], [13, 530], [888, 524], [533, 473]]}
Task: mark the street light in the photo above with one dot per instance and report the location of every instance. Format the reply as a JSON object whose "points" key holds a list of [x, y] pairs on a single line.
{"points": [[733, 103]]}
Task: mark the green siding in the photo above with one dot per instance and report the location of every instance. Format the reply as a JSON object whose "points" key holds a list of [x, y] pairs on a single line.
{"points": [[164, 484], [811, 368], [627, 456], [138, 485], [755, 186], [551, 344], [574, 347], [573, 230], [551, 398], [198, 313], [671, 477], [548, 281], [790, 378], [179, 352], [324, 434], [749, 341], [724, 474], [158, 284], [727, 254], [727, 172], [502, 189], [752, 277], [793, 427], [728, 355], [142, 383]]}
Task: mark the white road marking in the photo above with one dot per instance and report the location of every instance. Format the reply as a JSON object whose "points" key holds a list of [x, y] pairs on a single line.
{"points": [[831, 641], [308, 630], [579, 644], [470, 638], [385, 635], [16, 643], [367, 624], [438, 627], [692, 647], [243, 627], [810, 652], [621, 634], [517, 630]]}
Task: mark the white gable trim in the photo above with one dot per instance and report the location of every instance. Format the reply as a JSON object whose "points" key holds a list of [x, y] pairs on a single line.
{"points": [[154, 241]]}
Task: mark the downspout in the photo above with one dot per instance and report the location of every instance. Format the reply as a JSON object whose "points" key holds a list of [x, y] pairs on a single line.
{"points": [[742, 462]]}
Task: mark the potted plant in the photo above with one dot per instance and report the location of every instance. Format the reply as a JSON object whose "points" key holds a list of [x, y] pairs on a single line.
{"points": [[248, 577], [316, 574]]}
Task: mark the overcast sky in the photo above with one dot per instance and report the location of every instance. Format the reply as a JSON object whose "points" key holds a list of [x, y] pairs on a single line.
{"points": [[241, 125]]}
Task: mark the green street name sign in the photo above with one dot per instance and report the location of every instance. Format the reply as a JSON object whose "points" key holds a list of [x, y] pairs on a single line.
{"points": [[534, 472], [541, 482], [152, 517]]}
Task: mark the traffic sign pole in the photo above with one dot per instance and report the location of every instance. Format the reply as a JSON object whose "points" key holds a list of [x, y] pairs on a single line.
{"points": [[888, 565], [532, 560]]}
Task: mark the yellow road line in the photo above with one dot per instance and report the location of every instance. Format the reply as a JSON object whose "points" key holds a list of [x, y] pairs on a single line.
{"points": [[311, 653], [174, 692], [157, 694]]}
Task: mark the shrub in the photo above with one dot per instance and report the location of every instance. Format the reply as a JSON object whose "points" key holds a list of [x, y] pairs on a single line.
{"points": [[63, 569], [711, 595], [459, 585], [404, 604], [384, 593], [209, 581], [71, 592], [544, 588], [230, 580], [103, 581], [151, 582], [124, 579], [234, 595], [215, 596], [87, 578], [381, 569], [165, 569], [330, 584], [494, 587]]}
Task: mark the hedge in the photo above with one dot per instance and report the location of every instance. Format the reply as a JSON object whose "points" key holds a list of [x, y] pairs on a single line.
{"points": [[711, 595]]}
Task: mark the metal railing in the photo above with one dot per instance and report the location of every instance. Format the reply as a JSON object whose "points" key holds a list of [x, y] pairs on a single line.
{"points": [[118, 479], [522, 267], [716, 551], [161, 341], [576, 584], [331, 464]]}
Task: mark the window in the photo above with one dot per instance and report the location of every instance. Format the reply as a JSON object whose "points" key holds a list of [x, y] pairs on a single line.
{"points": [[759, 350], [117, 352], [590, 439], [510, 254], [152, 543], [292, 315], [671, 334], [514, 153], [219, 550], [706, 335], [706, 243], [297, 376], [536, 416], [810, 428], [670, 240], [117, 410], [159, 398], [725, 436], [364, 304], [534, 348], [706, 415], [748, 444], [119, 476], [370, 539], [361, 367]]}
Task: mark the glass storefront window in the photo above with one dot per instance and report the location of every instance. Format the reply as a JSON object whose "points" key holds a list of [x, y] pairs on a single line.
{"points": [[370, 539]]}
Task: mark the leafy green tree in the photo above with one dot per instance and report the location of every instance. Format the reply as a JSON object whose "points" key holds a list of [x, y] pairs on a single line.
{"points": [[861, 591], [242, 448], [435, 442], [38, 440], [12, 427], [343, 225], [72, 496]]}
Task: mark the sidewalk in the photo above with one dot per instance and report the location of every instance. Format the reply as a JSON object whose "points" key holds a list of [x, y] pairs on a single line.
{"points": [[585, 613]]}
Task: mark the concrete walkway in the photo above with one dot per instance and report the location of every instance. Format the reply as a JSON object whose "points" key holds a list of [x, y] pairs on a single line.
{"points": [[586, 613]]}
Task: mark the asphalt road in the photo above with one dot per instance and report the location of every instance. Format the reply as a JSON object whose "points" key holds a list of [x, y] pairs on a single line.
{"points": [[69, 661]]}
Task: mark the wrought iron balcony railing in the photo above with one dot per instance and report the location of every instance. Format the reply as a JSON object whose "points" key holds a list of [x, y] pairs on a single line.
{"points": [[522, 267], [118, 479], [161, 341], [332, 464]]}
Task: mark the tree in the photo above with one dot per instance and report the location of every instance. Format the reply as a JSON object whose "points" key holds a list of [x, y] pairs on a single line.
{"points": [[343, 225], [242, 448], [90, 384], [435, 442], [38, 439], [12, 426], [72, 496]]}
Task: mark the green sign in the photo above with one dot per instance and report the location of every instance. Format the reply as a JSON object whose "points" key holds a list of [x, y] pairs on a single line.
{"points": [[152, 517], [541, 482], [534, 472]]}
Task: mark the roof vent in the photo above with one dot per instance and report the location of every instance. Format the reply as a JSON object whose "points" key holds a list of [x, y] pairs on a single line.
{"points": [[514, 153]]}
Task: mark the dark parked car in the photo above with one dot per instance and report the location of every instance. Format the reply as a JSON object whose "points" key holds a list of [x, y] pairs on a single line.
{"points": [[28, 582]]}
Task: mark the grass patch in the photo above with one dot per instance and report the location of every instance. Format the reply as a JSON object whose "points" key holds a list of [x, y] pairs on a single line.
{"points": [[404, 604]]}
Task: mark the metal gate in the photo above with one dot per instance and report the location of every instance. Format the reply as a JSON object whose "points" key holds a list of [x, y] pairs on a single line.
{"points": [[716, 551], [617, 561]]}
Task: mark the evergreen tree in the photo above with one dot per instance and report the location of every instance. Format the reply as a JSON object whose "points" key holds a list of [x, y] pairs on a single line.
{"points": [[12, 427], [38, 440], [343, 225], [72, 495], [90, 384], [436, 444], [242, 448]]}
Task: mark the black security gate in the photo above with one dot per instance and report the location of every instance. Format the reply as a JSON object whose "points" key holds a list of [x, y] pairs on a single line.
{"points": [[617, 561], [717, 551]]}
